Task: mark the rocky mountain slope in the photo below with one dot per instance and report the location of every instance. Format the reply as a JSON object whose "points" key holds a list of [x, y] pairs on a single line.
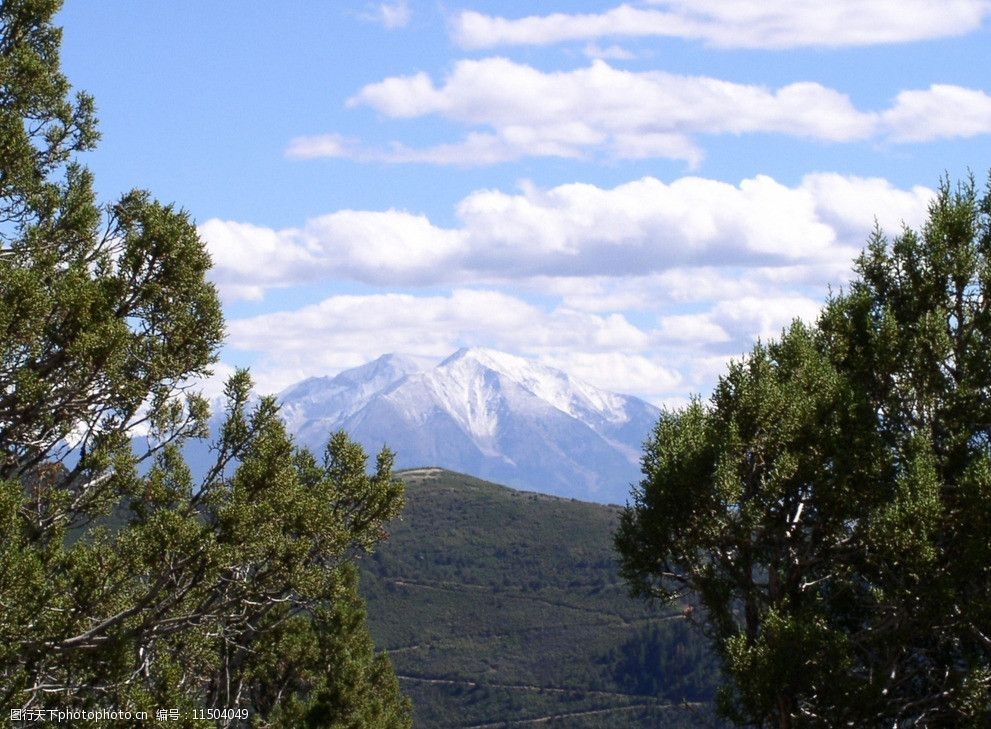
{"points": [[479, 411]]}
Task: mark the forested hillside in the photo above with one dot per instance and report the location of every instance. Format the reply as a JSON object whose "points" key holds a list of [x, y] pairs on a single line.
{"points": [[498, 606]]}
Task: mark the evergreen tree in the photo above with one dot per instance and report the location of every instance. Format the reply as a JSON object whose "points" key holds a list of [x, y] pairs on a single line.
{"points": [[831, 506], [125, 581], [912, 336]]}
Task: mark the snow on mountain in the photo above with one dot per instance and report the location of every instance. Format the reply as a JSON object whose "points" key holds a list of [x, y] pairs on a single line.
{"points": [[483, 412], [316, 406]]}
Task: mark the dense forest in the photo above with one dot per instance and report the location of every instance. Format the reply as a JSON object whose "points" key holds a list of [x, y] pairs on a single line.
{"points": [[499, 605]]}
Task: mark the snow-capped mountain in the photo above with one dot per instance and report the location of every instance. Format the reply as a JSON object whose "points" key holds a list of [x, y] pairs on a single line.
{"points": [[487, 413]]}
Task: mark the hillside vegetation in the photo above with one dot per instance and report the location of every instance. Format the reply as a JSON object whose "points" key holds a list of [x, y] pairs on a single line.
{"points": [[502, 607]]}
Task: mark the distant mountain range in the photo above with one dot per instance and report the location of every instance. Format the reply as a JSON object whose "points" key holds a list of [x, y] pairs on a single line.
{"points": [[483, 412]]}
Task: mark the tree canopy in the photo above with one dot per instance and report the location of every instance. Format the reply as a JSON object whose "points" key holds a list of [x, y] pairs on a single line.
{"points": [[830, 506], [126, 581]]}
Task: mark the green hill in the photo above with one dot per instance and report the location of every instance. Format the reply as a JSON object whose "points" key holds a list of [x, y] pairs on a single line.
{"points": [[505, 608]]}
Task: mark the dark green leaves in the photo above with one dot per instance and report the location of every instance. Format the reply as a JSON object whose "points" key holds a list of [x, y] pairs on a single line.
{"points": [[830, 505], [126, 580]]}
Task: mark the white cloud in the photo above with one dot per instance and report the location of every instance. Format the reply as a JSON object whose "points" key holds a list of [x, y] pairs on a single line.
{"points": [[508, 144], [601, 108], [476, 149], [351, 329], [617, 371], [763, 316], [645, 225], [773, 24], [390, 15], [382, 247], [847, 203], [433, 325], [320, 145], [799, 235], [688, 288], [515, 111], [613, 52], [607, 350], [248, 259], [646, 287], [941, 111], [692, 328]]}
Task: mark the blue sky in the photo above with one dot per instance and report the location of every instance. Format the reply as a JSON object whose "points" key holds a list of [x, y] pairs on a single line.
{"points": [[633, 192]]}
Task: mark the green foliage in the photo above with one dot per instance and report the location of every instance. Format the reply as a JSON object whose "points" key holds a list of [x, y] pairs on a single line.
{"points": [[124, 581], [322, 671], [830, 506], [912, 335], [499, 605], [667, 659]]}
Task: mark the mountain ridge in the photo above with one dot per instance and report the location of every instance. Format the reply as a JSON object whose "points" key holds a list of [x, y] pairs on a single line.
{"points": [[500, 607], [480, 411]]}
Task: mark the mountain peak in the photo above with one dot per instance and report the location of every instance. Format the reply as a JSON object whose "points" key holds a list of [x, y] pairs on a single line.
{"points": [[396, 361], [491, 358], [486, 412]]}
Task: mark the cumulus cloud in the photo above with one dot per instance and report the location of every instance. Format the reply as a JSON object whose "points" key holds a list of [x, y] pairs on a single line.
{"points": [[770, 24], [941, 111], [647, 287], [383, 247], [691, 328], [655, 362], [626, 113], [762, 317], [345, 330], [688, 287], [518, 111], [646, 225], [431, 325], [640, 228], [617, 371]]}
